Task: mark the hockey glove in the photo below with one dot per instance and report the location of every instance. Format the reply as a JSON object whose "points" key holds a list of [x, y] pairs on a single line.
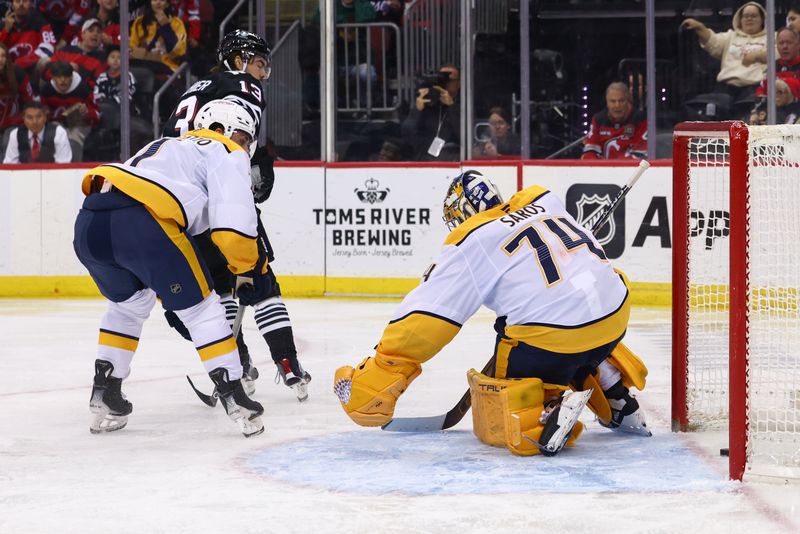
{"points": [[369, 392], [175, 322], [262, 174], [254, 286]]}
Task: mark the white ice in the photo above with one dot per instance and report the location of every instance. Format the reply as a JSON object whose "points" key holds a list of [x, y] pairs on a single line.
{"points": [[180, 466]]}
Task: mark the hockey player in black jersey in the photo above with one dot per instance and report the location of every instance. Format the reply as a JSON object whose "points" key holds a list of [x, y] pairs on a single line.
{"points": [[243, 64]]}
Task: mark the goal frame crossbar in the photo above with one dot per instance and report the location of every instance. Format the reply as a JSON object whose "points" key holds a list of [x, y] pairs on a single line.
{"points": [[738, 135]]}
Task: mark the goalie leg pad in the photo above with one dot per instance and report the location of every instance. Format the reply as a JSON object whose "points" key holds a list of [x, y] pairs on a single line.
{"points": [[488, 410], [508, 412], [369, 392]]}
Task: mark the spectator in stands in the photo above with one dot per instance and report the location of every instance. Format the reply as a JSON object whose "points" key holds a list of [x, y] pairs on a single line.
{"points": [[787, 44], [71, 102], [107, 88], [502, 141], [27, 35], [37, 141], [159, 36], [189, 12], [434, 123], [15, 91], [619, 131], [391, 150], [788, 63], [107, 12], [786, 66], [60, 13], [787, 108], [793, 18], [87, 57], [740, 50]]}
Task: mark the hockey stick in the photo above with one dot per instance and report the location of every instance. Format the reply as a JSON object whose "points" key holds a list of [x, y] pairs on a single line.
{"points": [[599, 219], [211, 400], [434, 423], [438, 422]]}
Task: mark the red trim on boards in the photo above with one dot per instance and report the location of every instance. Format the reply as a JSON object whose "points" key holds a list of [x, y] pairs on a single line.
{"points": [[34, 166], [387, 164]]}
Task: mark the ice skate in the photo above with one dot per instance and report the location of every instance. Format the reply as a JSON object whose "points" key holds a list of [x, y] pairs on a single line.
{"points": [[244, 411], [626, 415], [293, 375], [561, 420], [107, 403], [249, 377]]}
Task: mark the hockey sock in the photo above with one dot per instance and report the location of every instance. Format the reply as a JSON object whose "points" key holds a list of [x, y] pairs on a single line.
{"points": [[273, 323], [120, 328]]}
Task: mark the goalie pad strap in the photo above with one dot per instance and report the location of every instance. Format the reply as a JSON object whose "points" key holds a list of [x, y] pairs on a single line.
{"points": [[632, 368], [598, 402]]}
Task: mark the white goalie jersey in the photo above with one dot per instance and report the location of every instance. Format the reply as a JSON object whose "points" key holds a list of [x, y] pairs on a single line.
{"points": [[527, 260]]}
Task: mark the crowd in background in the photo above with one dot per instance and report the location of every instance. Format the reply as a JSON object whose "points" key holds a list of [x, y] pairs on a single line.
{"points": [[64, 56]]}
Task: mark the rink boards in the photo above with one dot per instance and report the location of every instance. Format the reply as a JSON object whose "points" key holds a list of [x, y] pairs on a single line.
{"points": [[348, 229]]}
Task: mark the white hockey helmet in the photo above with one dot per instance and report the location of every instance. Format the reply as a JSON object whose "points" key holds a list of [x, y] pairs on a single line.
{"points": [[469, 193], [231, 116]]}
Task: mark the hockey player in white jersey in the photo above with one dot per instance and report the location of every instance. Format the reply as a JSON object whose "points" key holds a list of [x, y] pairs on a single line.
{"points": [[562, 311], [134, 235]]}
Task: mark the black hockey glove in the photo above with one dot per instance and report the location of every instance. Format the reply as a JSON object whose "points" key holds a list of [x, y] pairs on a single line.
{"points": [[176, 323], [262, 174], [254, 286]]}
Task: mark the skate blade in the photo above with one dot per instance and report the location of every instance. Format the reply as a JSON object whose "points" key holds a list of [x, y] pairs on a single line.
{"points": [[629, 429], [568, 413], [251, 427], [106, 422], [301, 390], [249, 422]]}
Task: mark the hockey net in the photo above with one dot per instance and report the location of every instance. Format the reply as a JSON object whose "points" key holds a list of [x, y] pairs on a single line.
{"points": [[736, 287]]}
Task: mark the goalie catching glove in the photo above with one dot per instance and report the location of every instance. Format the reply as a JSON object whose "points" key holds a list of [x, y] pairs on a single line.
{"points": [[369, 392]]}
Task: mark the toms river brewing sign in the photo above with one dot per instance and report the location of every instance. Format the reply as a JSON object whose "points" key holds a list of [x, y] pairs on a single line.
{"points": [[382, 222]]}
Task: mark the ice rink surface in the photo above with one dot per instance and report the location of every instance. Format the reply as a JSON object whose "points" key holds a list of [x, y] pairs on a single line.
{"points": [[180, 466]]}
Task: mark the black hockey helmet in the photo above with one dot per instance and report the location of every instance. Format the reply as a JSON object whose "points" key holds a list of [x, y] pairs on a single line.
{"points": [[241, 43]]}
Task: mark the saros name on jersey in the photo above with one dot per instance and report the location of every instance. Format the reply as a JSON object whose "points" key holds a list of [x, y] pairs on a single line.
{"points": [[522, 214]]}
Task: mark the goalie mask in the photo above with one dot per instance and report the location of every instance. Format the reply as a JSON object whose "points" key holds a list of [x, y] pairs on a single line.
{"points": [[230, 116], [244, 44], [469, 193]]}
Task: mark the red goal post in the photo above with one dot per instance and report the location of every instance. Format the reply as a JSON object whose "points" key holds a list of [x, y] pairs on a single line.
{"points": [[736, 291]]}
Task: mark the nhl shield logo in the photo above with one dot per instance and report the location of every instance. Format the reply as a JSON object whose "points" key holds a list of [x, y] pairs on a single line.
{"points": [[585, 202], [175, 288], [589, 209]]}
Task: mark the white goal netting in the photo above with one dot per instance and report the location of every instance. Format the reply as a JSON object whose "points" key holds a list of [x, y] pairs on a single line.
{"points": [[773, 402]]}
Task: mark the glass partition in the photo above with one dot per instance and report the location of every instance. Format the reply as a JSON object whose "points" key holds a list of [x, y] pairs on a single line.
{"points": [[442, 80]]}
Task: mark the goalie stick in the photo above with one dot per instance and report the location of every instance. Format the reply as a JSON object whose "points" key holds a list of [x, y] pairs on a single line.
{"points": [[434, 423], [211, 400]]}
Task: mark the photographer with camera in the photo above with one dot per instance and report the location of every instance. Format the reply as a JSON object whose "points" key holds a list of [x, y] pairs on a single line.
{"points": [[434, 123], [501, 141]]}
